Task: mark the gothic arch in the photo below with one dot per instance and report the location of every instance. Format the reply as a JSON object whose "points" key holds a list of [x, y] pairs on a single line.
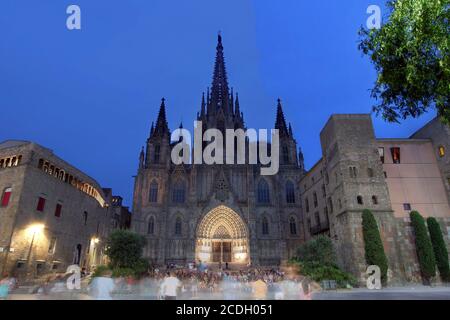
{"points": [[222, 227]]}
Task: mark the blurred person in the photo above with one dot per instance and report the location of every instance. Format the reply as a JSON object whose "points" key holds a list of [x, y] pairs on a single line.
{"points": [[102, 287], [259, 289], [169, 286]]}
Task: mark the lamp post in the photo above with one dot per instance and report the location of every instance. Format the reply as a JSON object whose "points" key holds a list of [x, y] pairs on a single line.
{"points": [[34, 229]]}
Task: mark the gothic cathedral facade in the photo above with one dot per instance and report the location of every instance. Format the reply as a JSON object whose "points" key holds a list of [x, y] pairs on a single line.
{"points": [[222, 212]]}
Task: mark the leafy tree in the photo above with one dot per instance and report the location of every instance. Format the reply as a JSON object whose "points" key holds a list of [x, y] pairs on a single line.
{"points": [[440, 248], [411, 54], [374, 250], [424, 247], [124, 249], [319, 250]]}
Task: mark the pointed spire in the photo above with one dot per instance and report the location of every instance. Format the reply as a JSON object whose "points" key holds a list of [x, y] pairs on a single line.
{"points": [[232, 101], [202, 109], [219, 89], [290, 130], [162, 127], [280, 122], [141, 158], [152, 128], [237, 110]]}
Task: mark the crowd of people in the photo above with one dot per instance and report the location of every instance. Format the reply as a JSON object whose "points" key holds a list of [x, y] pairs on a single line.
{"points": [[192, 282], [201, 283]]}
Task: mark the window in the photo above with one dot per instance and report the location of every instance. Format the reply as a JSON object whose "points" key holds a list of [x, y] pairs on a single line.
{"points": [[6, 196], [156, 156], [324, 193], [263, 192], [370, 172], [395, 155], [178, 226], [317, 218], [41, 204], [353, 172], [407, 206], [340, 203], [385, 174], [441, 151], [153, 194], [307, 205], [359, 199], [327, 179], [285, 154], [293, 226], [178, 195], [381, 154], [58, 210], [151, 226], [265, 226], [52, 245], [85, 217], [330, 205], [315, 199], [290, 192], [374, 200]]}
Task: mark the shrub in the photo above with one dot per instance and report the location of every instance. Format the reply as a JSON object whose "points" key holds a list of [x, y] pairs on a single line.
{"points": [[100, 271], [124, 249], [318, 251], [319, 272], [440, 248], [424, 247], [123, 272], [374, 250]]}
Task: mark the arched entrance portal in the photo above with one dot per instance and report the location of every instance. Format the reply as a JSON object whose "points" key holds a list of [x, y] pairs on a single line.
{"points": [[222, 237]]}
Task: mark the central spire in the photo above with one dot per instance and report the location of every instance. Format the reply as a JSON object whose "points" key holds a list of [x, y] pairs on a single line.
{"points": [[219, 89]]}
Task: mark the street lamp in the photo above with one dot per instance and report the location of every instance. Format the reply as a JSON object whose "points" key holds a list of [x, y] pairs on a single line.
{"points": [[33, 230]]}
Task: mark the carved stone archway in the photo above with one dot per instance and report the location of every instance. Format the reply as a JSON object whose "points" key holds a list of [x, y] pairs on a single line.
{"points": [[222, 236]]}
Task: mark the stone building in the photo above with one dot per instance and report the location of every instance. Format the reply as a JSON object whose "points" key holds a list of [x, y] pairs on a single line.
{"points": [[391, 177], [222, 212], [52, 215]]}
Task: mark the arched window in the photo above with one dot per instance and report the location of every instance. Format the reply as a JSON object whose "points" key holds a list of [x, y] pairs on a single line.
{"points": [[359, 199], [265, 226], [290, 192], [315, 199], [151, 226], [285, 154], [263, 192], [157, 153], [153, 194], [6, 196], [178, 226], [293, 226], [374, 200], [85, 217], [179, 191]]}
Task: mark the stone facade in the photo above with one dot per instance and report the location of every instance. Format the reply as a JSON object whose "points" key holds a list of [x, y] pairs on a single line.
{"points": [[354, 174], [52, 214], [221, 212]]}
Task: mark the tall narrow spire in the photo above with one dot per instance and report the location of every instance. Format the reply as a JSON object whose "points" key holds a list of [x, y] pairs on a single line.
{"points": [[219, 89], [237, 109], [202, 108], [162, 127], [280, 122], [141, 159]]}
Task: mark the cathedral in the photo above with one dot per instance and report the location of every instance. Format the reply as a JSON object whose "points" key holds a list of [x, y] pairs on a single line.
{"points": [[220, 213]]}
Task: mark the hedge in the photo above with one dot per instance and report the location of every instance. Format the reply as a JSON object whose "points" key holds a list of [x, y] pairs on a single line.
{"points": [[424, 247], [440, 248], [374, 250]]}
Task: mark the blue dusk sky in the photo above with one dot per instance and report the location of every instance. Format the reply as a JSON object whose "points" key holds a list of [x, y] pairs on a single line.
{"points": [[90, 95]]}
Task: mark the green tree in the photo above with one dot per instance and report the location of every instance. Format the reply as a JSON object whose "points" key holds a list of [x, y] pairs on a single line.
{"points": [[424, 247], [374, 250], [440, 248], [318, 250], [411, 54], [124, 249]]}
